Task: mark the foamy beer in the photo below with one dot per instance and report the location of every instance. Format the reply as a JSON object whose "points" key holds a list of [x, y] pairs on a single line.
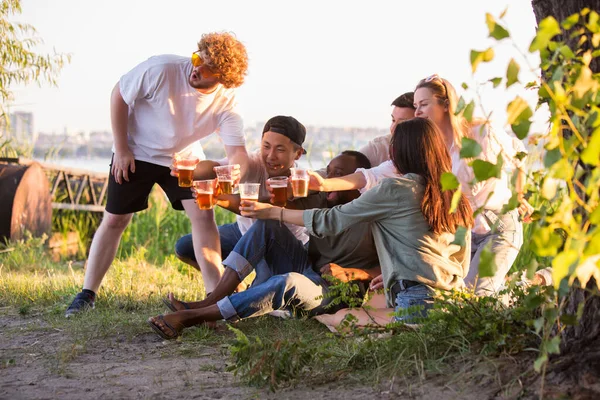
{"points": [[279, 186], [204, 194], [224, 175], [249, 191], [299, 178], [186, 176], [185, 164]]}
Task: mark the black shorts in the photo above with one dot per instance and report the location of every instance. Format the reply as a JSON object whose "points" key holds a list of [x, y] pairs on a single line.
{"points": [[132, 196]]}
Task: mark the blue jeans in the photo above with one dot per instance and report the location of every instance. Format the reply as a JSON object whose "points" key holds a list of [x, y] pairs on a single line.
{"points": [[285, 278], [229, 234], [504, 242], [415, 296]]}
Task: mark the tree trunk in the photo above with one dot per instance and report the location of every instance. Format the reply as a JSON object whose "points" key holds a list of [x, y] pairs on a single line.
{"points": [[588, 331], [561, 9]]}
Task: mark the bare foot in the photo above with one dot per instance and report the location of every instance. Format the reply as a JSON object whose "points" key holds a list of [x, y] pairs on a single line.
{"points": [[176, 305], [329, 321]]}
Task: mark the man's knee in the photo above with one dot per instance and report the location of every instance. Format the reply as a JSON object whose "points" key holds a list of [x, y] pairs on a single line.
{"points": [[269, 223], [117, 222], [287, 282], [184, 249]]}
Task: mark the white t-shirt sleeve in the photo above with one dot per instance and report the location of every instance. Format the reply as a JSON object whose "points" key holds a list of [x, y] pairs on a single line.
{"points": [[377, 150], [374, 175], [140, 82], [255, 170], [231, 128]]}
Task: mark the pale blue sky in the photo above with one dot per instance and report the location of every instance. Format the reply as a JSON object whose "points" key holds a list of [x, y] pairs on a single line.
{"points": [[324, 62]]}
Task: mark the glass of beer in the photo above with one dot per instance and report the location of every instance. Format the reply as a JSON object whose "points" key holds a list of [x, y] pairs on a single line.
{"points": [[224, 175], [249, 191], [300, 180], [204, 193], [279, 186], [185, 164]]}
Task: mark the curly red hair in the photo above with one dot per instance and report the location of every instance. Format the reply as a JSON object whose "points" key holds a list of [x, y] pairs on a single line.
{"points": [[226, 57]]}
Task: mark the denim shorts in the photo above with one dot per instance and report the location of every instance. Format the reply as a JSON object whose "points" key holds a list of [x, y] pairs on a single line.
{"points": [[413, 303]]}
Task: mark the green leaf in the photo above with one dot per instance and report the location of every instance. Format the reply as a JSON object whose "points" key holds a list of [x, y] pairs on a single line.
{"points": [[455, 199], [568, 319], [512, 73], [584, 83], [562, 170], [566, 52], [539, 363], [460, 236], [591, 154], [469, 148], [496, 31], [547, 29], [531, 84], [595, 216], [513, 203], [460, 106], [545, 242], [562, 264], [553, 346], [468, 113], [552, 157], [487, 263], [485, 170], [570, 21], [518, 116], [521, 129], [449, 181], [481, 56], [520, 155], [592, 23], [496, 81], [538, 324]]}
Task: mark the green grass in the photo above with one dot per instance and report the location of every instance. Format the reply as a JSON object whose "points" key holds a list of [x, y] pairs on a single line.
{"points": [[275, 353]]}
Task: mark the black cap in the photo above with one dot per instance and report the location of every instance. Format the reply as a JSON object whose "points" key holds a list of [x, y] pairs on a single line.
{"points": [[288, 127]]}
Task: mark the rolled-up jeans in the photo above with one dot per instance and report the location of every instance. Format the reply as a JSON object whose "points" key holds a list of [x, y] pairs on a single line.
{"points": [[288, 280], [229, 235], [505, 241]]}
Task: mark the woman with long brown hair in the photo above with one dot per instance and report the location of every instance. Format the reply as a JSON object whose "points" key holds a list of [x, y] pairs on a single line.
{"points": [[412, 225], [435, 99]]}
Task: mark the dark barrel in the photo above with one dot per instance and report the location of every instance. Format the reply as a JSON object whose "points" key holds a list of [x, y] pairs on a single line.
{"points": [[25, 203]]}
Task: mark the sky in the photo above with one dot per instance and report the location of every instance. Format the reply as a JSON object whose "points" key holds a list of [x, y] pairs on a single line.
{"points": [[333, 63]]}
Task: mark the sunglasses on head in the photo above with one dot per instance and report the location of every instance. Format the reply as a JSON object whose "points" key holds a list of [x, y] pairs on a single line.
{"points": [[436, 77]]}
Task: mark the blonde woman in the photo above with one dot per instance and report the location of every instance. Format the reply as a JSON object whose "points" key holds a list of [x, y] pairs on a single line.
{"points": [[436, 100]]}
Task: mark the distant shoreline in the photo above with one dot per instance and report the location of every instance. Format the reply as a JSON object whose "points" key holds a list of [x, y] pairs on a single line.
{"points": [[101, 164]]}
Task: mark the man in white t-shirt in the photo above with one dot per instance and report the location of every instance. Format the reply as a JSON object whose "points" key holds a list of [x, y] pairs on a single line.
{"points": [[281, 147], [166, 105]]}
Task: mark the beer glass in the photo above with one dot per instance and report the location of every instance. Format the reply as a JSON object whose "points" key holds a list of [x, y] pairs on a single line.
{"points": [[249, 191], [279, 186], [185, 164], [204, 193], [300, 180], [224, 175]]}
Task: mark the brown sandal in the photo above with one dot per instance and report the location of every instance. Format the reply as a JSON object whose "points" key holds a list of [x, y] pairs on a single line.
{"points": [[167, 331]]}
